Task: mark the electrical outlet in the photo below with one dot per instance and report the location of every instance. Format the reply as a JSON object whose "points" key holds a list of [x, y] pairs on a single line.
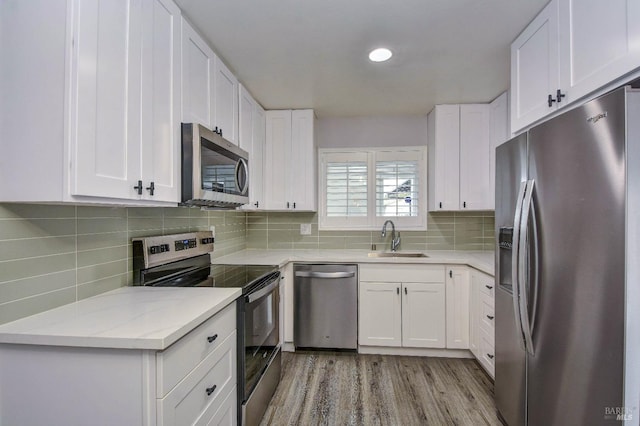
{"points": [[213, 231], [305, 229]]}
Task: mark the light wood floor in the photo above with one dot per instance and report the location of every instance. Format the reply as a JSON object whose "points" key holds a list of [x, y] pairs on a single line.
{"points": [[326, 388]]}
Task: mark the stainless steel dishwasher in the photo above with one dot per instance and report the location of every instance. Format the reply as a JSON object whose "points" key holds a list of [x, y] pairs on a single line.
{"points": [[325, 306]]}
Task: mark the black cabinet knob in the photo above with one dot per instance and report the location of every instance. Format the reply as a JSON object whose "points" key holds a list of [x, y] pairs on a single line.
{"points": [[151, 188], [257, 204], [490, 356], [559, 96], [490, 317], [464, 204], [210, 339], [550, 101], [440, 204], [489, 286]]}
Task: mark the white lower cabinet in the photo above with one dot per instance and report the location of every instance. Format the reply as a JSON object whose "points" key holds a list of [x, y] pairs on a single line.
{"points": [[193, 381], [457, 283], [482, 319], [401, 306]]}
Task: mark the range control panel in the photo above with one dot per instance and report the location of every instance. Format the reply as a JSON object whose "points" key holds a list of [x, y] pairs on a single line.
{"points": [[152, 251]]}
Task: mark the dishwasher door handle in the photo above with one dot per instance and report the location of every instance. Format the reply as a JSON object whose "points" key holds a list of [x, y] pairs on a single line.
{"points": [[305, 274]]}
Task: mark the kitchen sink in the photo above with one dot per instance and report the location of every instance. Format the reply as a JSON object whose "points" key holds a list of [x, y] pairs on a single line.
{"points": [[396, 254]]}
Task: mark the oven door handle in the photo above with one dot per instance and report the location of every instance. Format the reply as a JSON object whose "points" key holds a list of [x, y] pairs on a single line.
{"points": [[262, 292], [305, 274]]}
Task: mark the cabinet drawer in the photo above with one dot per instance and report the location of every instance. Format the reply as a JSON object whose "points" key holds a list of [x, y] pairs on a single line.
{"points": [[203, 390], [385, 272], [487, 286], [224, 414], [174, 363], [487, 320], [487, 352]]}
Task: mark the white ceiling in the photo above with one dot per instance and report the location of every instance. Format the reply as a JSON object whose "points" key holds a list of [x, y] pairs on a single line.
{"points": [[313, 53]]}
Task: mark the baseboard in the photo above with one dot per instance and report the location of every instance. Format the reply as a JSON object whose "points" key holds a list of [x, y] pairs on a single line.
{"points": [[433, 352]]}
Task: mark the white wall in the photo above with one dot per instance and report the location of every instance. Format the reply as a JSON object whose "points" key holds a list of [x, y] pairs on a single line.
{"points": [[338, 132]]}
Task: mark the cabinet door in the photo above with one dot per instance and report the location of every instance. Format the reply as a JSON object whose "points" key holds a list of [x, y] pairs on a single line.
{"points": [[198, 77], [246, 110], [457, 283], [535, 69], [444, 157], [256, 169], [105, 99], [302, 179], [286, 278], [423, 315], [160, 131], [499, 133], [598, 44], [277, 159], [226, 99], [474, 313], [379, 314], [475, 158]]}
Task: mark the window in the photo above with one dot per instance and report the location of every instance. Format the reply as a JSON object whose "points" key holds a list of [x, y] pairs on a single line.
{"points": [[360, 189]]}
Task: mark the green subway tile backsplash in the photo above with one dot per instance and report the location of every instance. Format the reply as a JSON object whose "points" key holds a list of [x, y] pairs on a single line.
{"points": [[53, 255], [445, 231]]}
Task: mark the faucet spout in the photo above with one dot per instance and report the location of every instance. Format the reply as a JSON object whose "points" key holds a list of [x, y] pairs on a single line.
{"points": [[395, 240]]}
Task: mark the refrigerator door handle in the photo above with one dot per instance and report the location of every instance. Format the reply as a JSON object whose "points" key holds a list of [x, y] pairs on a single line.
{"points": [[515, 263], [522, 259]]}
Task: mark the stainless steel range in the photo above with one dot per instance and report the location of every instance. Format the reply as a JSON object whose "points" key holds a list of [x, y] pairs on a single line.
{"points": [[182, 260]]}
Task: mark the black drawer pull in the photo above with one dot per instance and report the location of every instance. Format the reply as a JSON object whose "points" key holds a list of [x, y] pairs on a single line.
{"points": [[213, 388], [490, 317], [490, 356], [210, 339], [489, 286]]}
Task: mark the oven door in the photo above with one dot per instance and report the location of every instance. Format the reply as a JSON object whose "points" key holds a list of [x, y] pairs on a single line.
{"points": [[261, 331]]}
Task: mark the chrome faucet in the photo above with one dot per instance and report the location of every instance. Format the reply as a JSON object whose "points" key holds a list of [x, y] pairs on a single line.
{"points": [[395, 240]]}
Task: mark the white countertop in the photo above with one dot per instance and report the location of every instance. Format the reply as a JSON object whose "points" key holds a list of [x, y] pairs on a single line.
{"points": [[128, 318], [481, 260]]}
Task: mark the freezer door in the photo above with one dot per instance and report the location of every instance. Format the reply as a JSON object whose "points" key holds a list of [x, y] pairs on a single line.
{"points": [[577, 162], [511, 172]]}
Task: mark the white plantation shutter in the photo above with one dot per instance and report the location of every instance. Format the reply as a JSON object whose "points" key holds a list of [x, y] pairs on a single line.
{"points": [[361, 189], [397, 185], [346, 188]]}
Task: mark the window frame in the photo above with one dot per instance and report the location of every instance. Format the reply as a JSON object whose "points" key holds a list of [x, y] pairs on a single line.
{"points": [[372, 222]]}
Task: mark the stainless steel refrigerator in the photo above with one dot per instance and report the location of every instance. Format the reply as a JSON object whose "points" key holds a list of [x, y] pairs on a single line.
{"points": [[568, 268]]}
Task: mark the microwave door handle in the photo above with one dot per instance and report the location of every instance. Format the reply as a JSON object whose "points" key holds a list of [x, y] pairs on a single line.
{"points": [[515, 263], [262, 292], [242, 165]]}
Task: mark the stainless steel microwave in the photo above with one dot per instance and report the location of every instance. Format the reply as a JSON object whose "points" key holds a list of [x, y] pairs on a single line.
{"points": [[214, 171]]}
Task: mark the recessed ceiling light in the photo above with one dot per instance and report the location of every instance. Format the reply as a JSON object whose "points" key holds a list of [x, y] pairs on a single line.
{"points": [[380, 55]]}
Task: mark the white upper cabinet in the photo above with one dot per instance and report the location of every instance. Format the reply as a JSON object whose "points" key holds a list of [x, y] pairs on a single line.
{"points": [[499, 133], [198, 77], [105, 99], [534, 69], [226, 102], [475, 158], [569, 51], [251, 138], [126, 100], [444, 158], [290, 161], [599, 42], [459, 158], [100, 98], [160, 127], [210, 90]]}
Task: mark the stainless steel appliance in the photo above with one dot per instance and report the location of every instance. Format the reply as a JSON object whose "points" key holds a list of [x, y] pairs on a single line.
{"points": [[182, 260], [568, 269], [325, 306], [259, 355], [214, 171]]}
